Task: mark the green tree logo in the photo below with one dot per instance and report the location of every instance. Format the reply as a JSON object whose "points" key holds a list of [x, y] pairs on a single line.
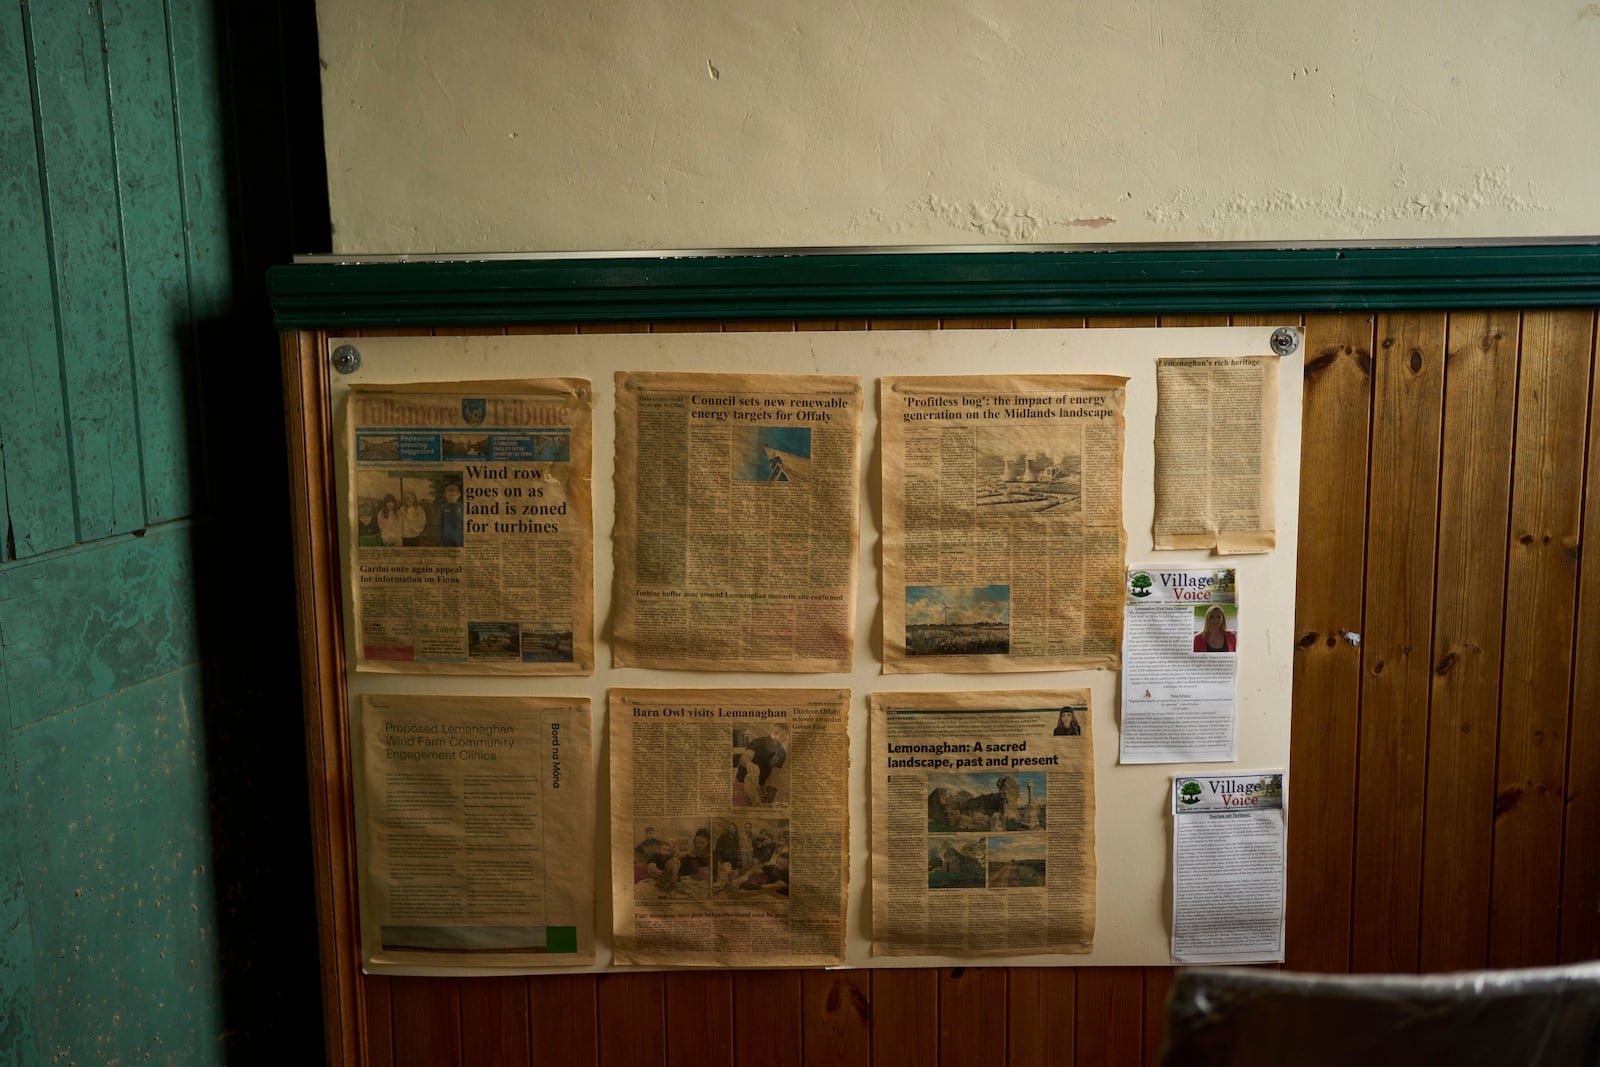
{"points": [[1190, 792], [1141, 584]]}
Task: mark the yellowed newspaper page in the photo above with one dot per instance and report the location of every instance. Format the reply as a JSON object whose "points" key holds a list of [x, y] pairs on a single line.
{"points": [[477, 832], [730, 829], [737, 521], [983, 815], [1217, 454], [1003, 541], [471, 528]]}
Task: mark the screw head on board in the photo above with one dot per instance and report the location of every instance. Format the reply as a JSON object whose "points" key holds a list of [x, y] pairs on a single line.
{"points": [[347, 359], [1285, 340]]}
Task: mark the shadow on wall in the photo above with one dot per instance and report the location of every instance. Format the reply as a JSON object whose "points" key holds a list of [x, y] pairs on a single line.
{"points": [[245, 603]]}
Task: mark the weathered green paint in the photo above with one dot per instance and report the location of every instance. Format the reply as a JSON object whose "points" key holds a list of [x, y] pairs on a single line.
{"points": [[117, 843], [33, 435], [16, 935], [198, 94], [152, 242], [81, 203], [80, 624], [115, 260]]}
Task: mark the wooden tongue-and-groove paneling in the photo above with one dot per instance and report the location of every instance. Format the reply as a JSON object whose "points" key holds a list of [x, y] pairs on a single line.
{"points": [[1445, 752]]}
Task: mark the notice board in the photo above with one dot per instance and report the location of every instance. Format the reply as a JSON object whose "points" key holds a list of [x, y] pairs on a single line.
{"points": [[1132, 824]]}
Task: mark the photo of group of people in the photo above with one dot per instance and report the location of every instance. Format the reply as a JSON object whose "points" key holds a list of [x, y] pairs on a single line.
{"points": [[725, 860], [986, 830], [397, 509]]}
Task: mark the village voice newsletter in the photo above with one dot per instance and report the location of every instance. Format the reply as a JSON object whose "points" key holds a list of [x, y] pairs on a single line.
{"points": [[1229, 864]]}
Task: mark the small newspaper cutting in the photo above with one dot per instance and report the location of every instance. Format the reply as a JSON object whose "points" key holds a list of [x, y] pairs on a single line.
{"points": [[730, 828], [1217, 454], [737, 521], [1229, 867], [983, 837], [471, 529], [1003, 543], [477, 832]]}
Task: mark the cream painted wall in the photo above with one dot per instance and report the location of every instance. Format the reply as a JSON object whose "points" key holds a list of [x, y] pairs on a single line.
{"points": [[498, 125]]}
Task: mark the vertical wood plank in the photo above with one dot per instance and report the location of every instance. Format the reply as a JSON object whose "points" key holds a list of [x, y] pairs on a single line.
{"points": [[202, 151], [1122, 322], [905, 1017], [1040, 1019], [1110, 1017], [563, 1019], [1327, 669], [699, 1007], [377, 1022], [766, 1014], [1396, 641], [494, 1022], [1580, 858], [1541, 575], [427, 1022], [1474, 507], [38, 467], [148, 188], [1157, 985], [86, 244], [976, 324], [836, 1018], [631, 1020], [1193, 320], [972, 1015]]}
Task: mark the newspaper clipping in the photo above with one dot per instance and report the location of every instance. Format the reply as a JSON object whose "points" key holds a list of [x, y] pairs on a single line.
{"points": [[1180, 665], [1229, 867], [1216, 454], [478, 832], [1003, 542], [730, 829], [471, 532], [982, 823], [737, 522]]}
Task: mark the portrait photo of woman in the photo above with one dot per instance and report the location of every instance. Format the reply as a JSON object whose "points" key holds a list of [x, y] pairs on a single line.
{"points": [[1214, 635]]}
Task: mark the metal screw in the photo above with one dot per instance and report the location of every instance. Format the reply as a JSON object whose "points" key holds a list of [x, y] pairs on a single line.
{"points": [[1285, 341], [347, 358]]}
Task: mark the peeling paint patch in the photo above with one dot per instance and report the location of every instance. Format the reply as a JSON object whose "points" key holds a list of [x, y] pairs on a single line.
{"points": [[1490, 191], [996, 219]]}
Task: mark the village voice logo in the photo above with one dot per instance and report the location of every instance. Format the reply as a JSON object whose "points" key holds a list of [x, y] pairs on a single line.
{"points": [[473, 411], [1139, 585], [1189, 792]]}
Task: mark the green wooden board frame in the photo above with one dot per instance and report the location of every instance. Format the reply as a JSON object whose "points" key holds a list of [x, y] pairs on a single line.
{"points": [[833, 284]]}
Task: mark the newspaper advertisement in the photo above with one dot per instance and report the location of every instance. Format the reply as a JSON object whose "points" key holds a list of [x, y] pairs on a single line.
{"points": [[737, 521], [730, 830], [1216, 454], [983, 815], [1003, 543], [471, 528], [478, 832], [1229, 868], [1180, 658]]}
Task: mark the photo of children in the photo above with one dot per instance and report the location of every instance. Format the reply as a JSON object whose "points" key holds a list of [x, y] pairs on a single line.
{"points": [[759, 753], [752, 860], [671, 861]]}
